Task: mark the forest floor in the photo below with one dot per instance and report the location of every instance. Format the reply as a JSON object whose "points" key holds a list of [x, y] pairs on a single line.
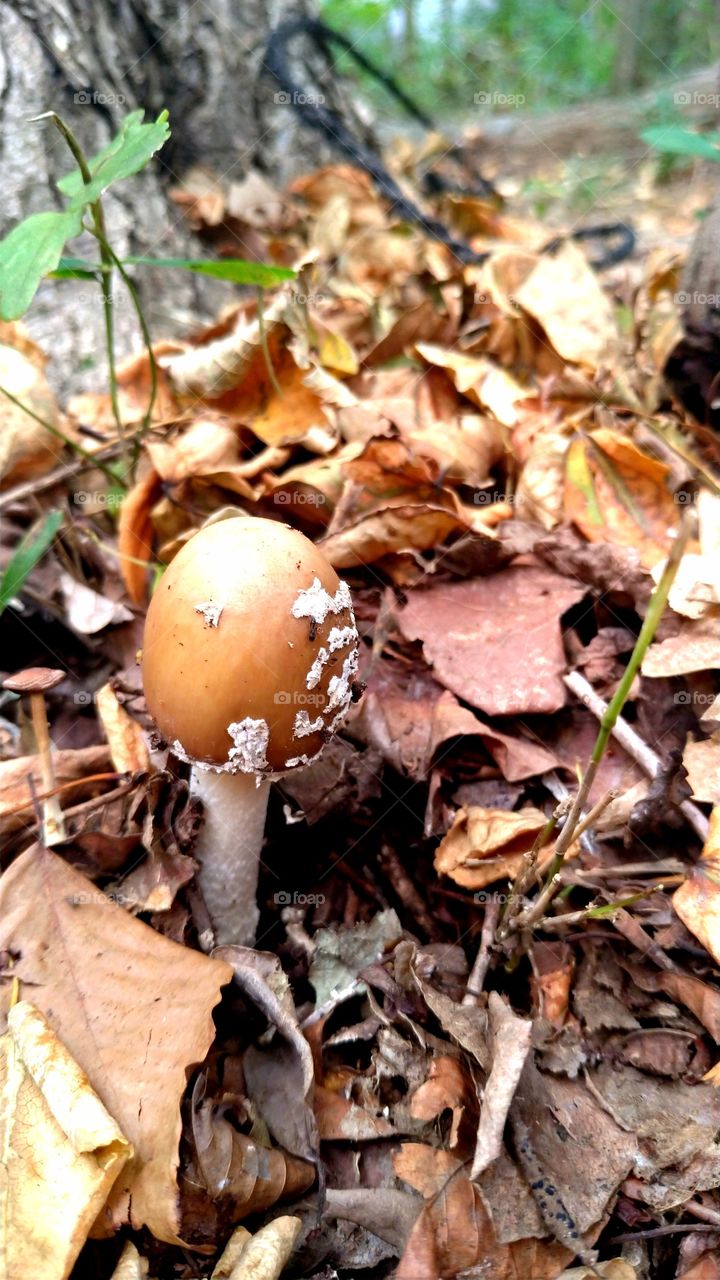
{"points": [[452, 1052]]}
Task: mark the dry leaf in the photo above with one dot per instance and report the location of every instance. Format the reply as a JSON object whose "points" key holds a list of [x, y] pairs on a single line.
{"points": [[130, 1265], [478, 378], [494, 838], [135, 534], [231, 1254], [540, 490], [702, 761], [208, 449], [616, 493], [16, 807], [449, 1086], [394, 529], [613, 1269], [62, 1151], [697, 901], [26, 448], [696, 589], [124, 736], [230, 366], [510, 1044], [262, 1256], [695, 647], [88, 611], [565, 296], [99, 974], [454, 1231], [495, 641]]}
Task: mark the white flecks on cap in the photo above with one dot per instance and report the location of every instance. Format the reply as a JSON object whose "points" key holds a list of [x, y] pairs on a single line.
{"points": [[316, 603], [338, 638], [340, 687], [250, 743], [294, 761], [210, 612], [304, 726]]}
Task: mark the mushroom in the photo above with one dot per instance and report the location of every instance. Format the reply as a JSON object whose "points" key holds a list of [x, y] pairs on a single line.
{"points": [[249, 657], [37, 681]]}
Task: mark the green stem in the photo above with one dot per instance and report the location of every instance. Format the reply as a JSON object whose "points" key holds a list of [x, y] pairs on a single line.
{"points": [[60, 435], [655, 610], [137, 304], [107, 265]]}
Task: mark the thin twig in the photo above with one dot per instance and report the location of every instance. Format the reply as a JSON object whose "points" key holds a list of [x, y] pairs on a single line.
{"points": [[652, 1233], [39, 484], [478, 973], [631, 929], [553, 884], [528, 870], [631, 742]]}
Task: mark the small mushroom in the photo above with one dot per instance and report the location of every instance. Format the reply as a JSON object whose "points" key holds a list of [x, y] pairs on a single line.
{"points": [[249, 657], [36, 682]]}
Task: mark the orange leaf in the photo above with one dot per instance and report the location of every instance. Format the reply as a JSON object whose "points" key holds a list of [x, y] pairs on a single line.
{"points": [[135, 534]]}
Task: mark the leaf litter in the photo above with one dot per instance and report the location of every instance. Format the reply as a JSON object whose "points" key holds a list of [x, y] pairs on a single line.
{"points": [[387, 1085]]}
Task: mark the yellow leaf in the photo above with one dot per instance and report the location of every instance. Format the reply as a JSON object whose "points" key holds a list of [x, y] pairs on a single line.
{"points": [[62, 1151], [124, 735]]}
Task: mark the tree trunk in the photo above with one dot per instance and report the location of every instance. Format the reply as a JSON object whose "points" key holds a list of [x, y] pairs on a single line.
{"points": [[93, 65]]}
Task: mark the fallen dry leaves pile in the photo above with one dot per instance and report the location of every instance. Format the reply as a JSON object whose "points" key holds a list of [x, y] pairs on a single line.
{"points": [[491, 458]]}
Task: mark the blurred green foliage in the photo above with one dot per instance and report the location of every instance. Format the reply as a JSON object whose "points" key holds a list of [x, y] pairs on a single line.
{"points": [[540, 55]]}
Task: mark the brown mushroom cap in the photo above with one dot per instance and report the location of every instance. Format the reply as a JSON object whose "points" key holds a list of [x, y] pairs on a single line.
{"points": [[34, 680], [250, 647]]}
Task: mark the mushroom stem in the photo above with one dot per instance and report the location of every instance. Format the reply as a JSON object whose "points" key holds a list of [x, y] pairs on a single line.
{"points": [[53, 820], [228, 850]]}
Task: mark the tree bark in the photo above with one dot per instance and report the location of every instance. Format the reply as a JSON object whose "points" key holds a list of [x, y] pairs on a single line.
{"points": [[93, 64]]}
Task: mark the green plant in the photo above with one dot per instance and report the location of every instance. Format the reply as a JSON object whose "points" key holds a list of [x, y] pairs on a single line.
{"points": [[675, 140], [29, 552], [34, 248]]}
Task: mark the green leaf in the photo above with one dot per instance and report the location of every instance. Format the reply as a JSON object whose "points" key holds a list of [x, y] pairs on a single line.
{"points": [[31, 550], [76, 269], [235, 269], [126, 154], [28, 253], [609, 908], [677, 141]]}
